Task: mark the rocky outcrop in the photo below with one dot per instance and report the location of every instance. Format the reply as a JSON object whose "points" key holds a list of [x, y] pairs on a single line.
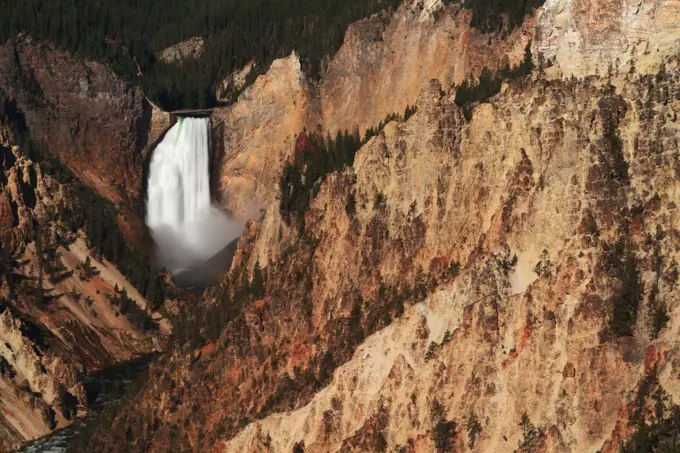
{"points": [[53, 331], [387, 59], [83, 114], [190, 49], [7, 217], [236, 82], [256, 136], [589, 37]]}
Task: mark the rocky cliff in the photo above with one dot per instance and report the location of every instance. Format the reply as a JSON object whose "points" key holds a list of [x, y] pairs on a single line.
{"points": [[508, 270], [256, 135], [493, 284], [589, 37], [62, 312], [380, 69], [387, 59], [533, 211], [82, 113]]}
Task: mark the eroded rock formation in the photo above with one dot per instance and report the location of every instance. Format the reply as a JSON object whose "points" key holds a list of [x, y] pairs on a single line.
{"points": [[483, 266], [53, 329], [504, 266], [85, 115]]}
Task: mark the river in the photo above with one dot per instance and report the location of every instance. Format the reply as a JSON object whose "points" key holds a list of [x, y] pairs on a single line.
{"points": [[105, 389]]}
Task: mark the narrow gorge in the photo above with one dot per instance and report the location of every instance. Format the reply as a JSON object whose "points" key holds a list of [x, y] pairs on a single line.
{"points": [[456, 230]]}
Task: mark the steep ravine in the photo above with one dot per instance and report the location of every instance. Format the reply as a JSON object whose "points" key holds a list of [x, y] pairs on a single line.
{"points": [[500, 267], [57, 326], [505, 266], [73, 137], [575, 178]]}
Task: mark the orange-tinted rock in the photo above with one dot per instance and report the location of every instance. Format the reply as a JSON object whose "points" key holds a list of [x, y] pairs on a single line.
{"points": [[90, 119], [7, 218]]}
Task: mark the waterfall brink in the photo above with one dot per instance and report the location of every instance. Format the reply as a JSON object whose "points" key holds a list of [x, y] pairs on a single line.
{"points": [[185, 225]]}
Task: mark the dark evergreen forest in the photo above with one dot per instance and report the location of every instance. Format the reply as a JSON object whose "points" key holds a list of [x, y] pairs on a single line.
{"points": [[498, 15], [315, 158], [128, 33]]}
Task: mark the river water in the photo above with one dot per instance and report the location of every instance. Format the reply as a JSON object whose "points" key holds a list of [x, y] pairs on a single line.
{"points": [[105, 389]]}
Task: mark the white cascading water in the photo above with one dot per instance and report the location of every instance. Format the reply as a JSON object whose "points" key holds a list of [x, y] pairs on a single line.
{"points": [[185, 225]]}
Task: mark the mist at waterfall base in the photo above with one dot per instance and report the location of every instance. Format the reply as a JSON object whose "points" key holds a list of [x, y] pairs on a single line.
{"points": [[191, 234]]}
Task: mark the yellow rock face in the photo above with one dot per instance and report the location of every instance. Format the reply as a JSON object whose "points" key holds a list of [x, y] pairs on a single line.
{"points": [[521, 179]]}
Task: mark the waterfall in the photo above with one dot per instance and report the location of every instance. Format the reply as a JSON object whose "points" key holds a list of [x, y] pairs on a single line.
{"points": [[187, 228]]}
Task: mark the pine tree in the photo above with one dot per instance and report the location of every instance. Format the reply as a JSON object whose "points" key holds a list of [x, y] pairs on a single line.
{"points": [[531, 437], [473, 428], [443, 431], [356, 331], [527, 65], [257, 284]]}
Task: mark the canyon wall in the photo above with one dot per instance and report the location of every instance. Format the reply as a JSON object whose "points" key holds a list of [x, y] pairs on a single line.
{"points": [[54, 330], [256, 136], [83, 114], [505, 266], [482, 264], [532, 176], [380, 69], [587, 37], [531, 209], [387, 59]]}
